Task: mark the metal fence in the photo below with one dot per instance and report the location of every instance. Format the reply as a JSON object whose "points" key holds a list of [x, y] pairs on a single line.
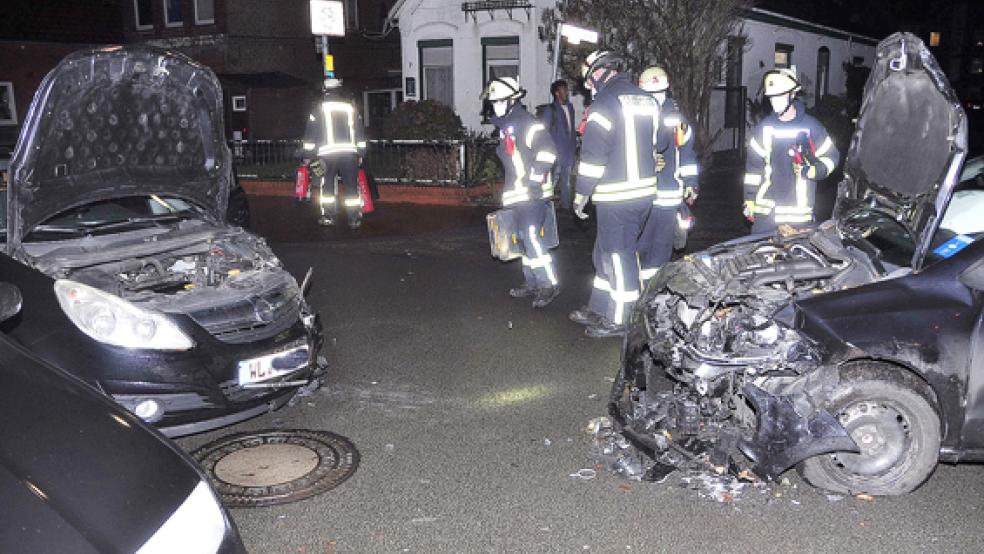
{"points": [[420, 162]]}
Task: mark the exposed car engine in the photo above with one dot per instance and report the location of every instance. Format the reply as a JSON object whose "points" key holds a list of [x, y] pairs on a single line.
{"points": [[720, 345]]}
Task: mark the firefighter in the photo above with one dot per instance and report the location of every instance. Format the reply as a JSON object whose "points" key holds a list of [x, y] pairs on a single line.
{"points": [[527, 153], [335, 135], [789, 151], [676, 179], [617, 172]]}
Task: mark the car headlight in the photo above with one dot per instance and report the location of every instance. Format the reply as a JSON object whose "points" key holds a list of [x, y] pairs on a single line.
{"points": [[110, 319], [197, 526]]}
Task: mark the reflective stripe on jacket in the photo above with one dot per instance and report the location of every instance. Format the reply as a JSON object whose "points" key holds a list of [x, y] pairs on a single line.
{"points": [[334, 127], [617, 152], [527, 153], [675, 142], [771, 181]]}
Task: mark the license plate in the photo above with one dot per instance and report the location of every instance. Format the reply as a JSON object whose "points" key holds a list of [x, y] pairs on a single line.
{"points": [[273, 365]]}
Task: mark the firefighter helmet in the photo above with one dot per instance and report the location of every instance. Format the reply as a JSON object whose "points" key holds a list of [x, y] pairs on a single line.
{"points": [[654, 79], [503, 88], [600, 59], [780, 81]]}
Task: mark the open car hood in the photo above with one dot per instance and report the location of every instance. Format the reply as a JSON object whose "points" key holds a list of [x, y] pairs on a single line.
{"points": [[116, 122], [909, 143]]}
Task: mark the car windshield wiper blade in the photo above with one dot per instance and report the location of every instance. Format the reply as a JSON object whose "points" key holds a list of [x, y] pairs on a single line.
{"points": [[106, 225]]}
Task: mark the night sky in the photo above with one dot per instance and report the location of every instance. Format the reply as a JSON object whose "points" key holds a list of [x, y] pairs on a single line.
{"points": [[876, 18]]}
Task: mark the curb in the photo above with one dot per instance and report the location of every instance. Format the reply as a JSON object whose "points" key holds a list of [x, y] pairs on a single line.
{"points": [[434, 195]]}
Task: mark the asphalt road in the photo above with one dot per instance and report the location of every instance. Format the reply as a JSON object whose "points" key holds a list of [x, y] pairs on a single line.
{"points": [[468, 408]]}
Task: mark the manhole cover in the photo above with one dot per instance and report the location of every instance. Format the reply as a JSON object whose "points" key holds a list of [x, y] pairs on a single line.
{"points": [[277, 466]]}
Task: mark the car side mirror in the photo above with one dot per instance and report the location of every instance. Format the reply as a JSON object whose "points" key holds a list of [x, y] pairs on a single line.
{"points": [[973, 276], [10, 301]]}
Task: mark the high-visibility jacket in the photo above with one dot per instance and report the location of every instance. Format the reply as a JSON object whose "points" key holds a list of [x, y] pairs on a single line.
{"points": [[617, 151], [774, 185], [527, 153], [334, 127], [675, 142]]}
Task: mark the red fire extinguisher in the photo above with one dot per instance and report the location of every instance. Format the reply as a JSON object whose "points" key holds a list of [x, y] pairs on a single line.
{"points": [[365, 193], [302, 183]]}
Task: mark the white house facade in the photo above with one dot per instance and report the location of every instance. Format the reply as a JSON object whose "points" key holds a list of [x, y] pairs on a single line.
{"points": [[450, 49]]}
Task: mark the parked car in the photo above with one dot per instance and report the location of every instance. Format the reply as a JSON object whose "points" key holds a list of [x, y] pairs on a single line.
{"points": [[116, 234], [80, 474], [848, 350]]}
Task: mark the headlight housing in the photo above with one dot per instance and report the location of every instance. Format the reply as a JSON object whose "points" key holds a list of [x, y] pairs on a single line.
{"points": [[197, 526], [110, 319]]}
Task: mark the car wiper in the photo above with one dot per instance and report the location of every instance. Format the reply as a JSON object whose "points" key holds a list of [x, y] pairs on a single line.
{"points": [[120, 223]]}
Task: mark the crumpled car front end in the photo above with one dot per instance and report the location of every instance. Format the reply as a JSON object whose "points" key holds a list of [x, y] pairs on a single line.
{"points": [[714, 367]]}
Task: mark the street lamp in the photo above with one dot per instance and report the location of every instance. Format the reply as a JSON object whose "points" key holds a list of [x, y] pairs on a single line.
{"points": [[574, 35]]}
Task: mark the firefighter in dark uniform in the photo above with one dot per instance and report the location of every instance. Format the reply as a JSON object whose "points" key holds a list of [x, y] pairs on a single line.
{"points": [[617, 172], [676, 181], [335, 135], [527, 153], [789, 151]]}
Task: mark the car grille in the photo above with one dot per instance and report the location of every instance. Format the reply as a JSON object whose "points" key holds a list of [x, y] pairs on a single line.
{"points": [[251, 319]]}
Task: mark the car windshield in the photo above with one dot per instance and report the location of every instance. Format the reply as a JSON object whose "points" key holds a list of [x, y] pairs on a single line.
{"points": [[116, 215]]}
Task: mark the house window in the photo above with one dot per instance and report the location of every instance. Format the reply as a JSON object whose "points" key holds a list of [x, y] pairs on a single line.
{"points": [[823, 72], [143, 12], [8, 108], [500, 58], [976, 66], [784, 55], [934, 38], [352, 14], [239, 103], [437, 71], [204, 12], [734, 98], [172, 13]]}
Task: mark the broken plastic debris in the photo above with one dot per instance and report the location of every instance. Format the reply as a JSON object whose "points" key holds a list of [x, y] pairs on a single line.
{"points": [[547, 442], [423, 520], [509, 324], [592, 396], [389, 447], [596, 425], [865, 497], [585, 474], [834, 497]]}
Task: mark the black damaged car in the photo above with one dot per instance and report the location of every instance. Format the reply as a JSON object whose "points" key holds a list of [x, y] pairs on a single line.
{"points": [[853, 350], [116, 234], [79, 474]]}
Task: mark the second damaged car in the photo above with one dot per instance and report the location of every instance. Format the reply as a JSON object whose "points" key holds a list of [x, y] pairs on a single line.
{"points": [[116, 234], [851, 350]]}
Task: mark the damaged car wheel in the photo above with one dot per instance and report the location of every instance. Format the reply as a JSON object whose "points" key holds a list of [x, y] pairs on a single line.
{"points": [[890, 415]]}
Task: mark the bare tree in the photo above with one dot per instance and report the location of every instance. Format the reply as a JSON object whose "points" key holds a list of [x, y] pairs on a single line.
{"points": [[684, 36]]}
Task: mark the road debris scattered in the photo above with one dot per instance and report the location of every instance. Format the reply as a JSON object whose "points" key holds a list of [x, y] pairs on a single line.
{"points": [[585, 474]]}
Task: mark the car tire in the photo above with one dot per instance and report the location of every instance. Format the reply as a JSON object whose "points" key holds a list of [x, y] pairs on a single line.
{"points": [[891, 415]]}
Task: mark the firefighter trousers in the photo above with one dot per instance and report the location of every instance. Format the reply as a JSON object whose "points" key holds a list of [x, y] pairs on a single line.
{"points": [[344, 165], [616, 257], [538, 268], [656, 243]]}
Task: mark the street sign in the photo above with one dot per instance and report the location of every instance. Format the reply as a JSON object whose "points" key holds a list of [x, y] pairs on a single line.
{"points": [[329, 66], [327, 18]]}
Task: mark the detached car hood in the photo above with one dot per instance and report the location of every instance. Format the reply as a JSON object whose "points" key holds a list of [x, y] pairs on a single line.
{"points": [[116, 122], [910, 140]]}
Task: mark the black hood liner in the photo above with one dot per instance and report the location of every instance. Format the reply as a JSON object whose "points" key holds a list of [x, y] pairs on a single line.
{"points": [[910, 138], [116, 122]]}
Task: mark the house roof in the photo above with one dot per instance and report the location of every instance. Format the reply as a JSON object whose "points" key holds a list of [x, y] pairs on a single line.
{"points": [[765, 16]]}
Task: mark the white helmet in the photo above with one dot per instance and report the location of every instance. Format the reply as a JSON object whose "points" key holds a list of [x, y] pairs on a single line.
{"points": [[779, 81], [503, 88], [654, 79]]}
